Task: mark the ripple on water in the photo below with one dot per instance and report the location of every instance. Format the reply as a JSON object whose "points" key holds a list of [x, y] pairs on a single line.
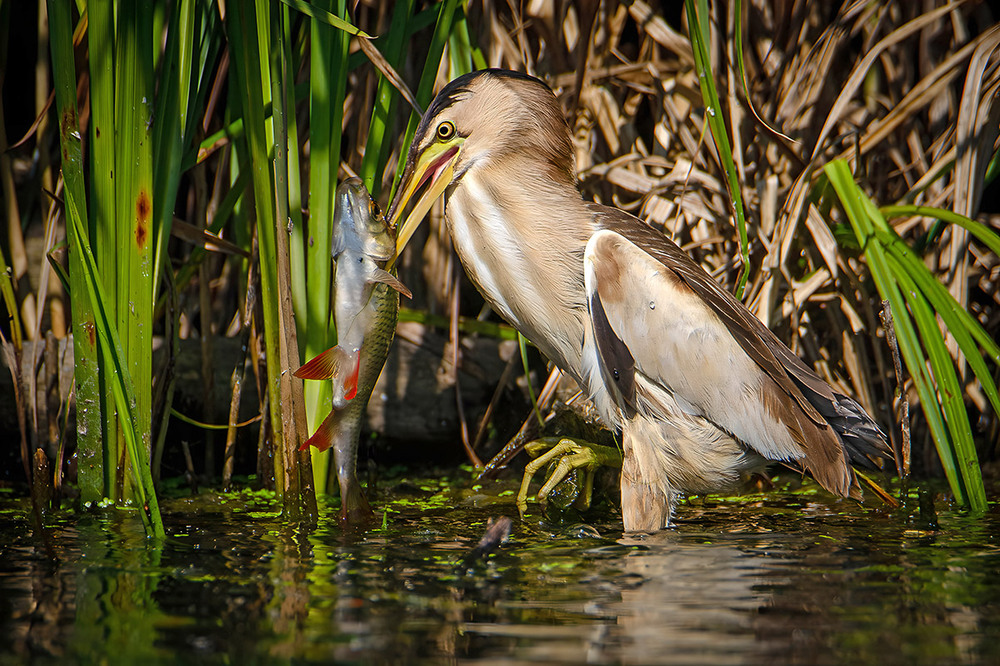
{"points": [[778, 578]]}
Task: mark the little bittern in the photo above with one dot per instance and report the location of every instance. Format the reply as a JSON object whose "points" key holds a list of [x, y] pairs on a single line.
{"points": [[701, 391]]}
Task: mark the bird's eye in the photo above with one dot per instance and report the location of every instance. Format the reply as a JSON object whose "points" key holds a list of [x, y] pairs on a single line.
{"points": [[446, 130]]}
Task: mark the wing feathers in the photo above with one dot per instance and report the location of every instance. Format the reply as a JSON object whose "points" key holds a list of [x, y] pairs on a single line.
{"points": [[694, 338]]}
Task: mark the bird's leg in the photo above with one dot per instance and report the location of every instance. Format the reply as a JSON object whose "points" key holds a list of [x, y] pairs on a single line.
{"points": [[573, 454]]}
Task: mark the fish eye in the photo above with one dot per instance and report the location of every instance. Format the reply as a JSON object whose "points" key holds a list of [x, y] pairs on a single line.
{"points": [[445, 130]]}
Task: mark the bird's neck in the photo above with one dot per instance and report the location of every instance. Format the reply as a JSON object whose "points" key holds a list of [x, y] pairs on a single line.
{"points": [[521, 238]]}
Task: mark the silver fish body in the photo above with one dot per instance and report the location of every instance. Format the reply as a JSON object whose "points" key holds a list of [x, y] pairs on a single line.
{"points": [[383, 305], [366, 302]]}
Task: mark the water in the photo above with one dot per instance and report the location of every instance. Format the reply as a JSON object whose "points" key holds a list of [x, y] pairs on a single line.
{"points": [[782, 578]]}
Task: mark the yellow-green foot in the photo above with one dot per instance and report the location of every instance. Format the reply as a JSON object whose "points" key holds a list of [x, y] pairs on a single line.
{"points": [[574, 455]]}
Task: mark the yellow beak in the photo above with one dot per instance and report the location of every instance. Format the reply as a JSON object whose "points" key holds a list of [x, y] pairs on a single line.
{"points": [[434, 168]]}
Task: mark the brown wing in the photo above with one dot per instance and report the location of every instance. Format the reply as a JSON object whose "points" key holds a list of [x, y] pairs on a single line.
{"points": [[852, 428]]}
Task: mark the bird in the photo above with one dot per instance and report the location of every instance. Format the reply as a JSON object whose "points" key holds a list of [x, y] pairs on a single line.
{"points": [[701, 392]]}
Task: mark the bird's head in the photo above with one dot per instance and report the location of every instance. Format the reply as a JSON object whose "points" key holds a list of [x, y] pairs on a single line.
{"points": [[476, 121]]}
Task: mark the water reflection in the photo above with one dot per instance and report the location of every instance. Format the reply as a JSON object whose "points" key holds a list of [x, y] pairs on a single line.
{"points": [[773, 581]]}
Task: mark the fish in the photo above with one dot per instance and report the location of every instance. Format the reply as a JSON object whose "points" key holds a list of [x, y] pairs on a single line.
{"points": [[366, 303]]}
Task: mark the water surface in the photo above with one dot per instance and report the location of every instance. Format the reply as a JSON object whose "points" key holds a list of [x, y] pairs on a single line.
{"points": [[781, 578]]}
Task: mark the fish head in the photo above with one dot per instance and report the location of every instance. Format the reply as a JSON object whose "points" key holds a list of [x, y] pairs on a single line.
{"points": [[358, 224]]}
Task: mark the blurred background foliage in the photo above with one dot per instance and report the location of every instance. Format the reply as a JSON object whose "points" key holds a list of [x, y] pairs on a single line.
{"points": [[231, 123]]}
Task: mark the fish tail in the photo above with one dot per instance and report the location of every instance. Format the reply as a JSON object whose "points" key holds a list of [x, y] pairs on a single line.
{"points": [[325, 366], [354, 507]]}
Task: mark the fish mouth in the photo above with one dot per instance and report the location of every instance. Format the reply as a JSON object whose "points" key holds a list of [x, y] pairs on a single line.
{"points": [[358, 226], [430, 174]]}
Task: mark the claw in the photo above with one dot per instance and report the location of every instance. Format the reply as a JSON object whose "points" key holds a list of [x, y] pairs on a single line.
{"points": [[573, 455]]}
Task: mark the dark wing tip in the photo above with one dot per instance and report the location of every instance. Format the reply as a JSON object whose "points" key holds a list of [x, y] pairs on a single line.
{"points": [[864, 440]]}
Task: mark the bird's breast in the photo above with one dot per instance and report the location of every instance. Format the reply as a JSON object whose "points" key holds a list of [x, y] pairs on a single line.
{"points": [[527, 266]]}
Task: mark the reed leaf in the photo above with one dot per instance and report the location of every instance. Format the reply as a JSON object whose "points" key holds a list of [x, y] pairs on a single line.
{"points": [[7, 291], [193, 42], [957, 320], [300, 500], [959, 450], [987, 236], [249, 39], [697, 16], [259, 33], [323, 15], [327, 89], [89, 394], [134, 200], [102, 206], [379, 143], [86, 280], [940, 394], [425, 88]]}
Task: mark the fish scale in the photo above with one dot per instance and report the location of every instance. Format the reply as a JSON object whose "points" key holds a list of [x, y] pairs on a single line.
{"points": [[347, 422], [366, 303]]}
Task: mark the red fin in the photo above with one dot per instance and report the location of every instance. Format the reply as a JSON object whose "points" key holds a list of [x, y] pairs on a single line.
{"points": [[351, 382], [324, 366], [323, 437]]}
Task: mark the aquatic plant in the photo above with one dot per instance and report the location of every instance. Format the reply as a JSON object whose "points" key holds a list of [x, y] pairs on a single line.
{"points": [[234, 121]]}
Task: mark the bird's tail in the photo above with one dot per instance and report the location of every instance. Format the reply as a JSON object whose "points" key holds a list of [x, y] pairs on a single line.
{"points": [[865, 442]]}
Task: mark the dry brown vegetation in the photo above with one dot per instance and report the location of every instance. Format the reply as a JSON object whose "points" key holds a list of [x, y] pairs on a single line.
{"points": [[905, 91]]}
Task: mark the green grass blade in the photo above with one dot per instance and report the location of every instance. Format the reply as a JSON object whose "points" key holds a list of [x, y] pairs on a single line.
{"points": [[134, 186], [7, 290], [945, 411], [379, 142], [460, 53], [261, 56], [327, 89], [961, 450], [252, 77], [324, 16], [966, 329], [909, 346], [299, 499], [171, 105], [89, 415], [697, 16], [102, 223], [293, 197], [193, 41], [464, 39], [986, 236], [84, 265], [124, 393], [425, 89]]}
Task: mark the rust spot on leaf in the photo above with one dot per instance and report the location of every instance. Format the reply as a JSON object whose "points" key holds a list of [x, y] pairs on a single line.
{"points": [[142, 212], [98, 131], [91, 333], [67, 125], [68, 121]]}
